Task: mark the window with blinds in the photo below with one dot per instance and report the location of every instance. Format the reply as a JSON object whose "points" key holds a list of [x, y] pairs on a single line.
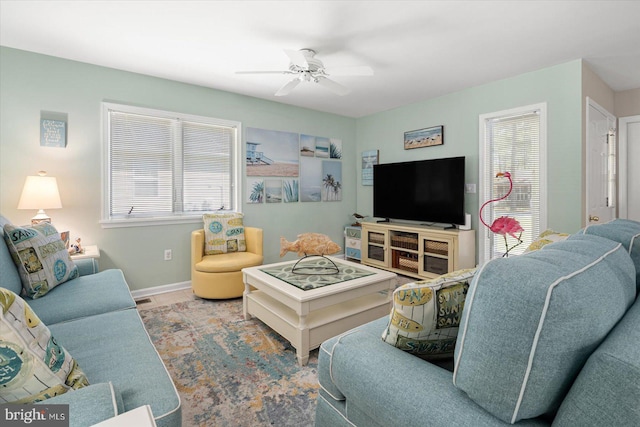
{"points": [[167, 165], [513, 141]]}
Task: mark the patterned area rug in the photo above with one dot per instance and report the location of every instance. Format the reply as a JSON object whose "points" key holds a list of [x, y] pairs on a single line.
{"points": [[232, 372]]}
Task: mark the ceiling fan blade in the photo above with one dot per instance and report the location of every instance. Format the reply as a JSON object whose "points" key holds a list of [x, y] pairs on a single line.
{"points": [[264, 72], [359, 70], [287, 88], [297, 58], [334, 87]]}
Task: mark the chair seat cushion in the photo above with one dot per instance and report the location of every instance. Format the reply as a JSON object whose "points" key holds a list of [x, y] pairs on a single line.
{"points": [[229, 262]]}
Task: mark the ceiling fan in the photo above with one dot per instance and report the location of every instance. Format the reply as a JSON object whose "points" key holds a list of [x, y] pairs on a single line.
{"points": [[305, 67]]}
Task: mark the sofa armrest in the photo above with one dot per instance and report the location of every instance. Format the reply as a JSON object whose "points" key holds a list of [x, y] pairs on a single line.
{"points": [[87, 266], [253, 237], [197, 246], [89, 405]]}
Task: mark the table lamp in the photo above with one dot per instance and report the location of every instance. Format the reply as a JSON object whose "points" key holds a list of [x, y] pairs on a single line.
{"points": [[40, 192]]}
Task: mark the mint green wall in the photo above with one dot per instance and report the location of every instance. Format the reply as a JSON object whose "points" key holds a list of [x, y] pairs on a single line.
{"points": [[31, 83], [558, 86]]}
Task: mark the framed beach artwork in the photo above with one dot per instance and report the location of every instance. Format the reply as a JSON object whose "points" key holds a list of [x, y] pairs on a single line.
{"points": [[310, 179], [272, 153], [427, 137], [369, 159], [255, 191], [273, 190], [290, 190], [331, 181]]}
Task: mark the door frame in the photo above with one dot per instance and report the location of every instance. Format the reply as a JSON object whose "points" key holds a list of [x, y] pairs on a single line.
{"points": [[623, 180], [587, 175]]}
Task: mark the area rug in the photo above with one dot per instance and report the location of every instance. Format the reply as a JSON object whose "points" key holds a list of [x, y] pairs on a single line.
{"points": [[229, 371]]}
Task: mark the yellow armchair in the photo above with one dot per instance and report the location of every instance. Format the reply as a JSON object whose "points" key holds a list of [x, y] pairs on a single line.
{"points": [[220, 276]]}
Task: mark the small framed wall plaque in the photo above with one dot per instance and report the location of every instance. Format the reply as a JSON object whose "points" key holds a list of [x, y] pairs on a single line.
{"points": [[53, 133], [427, 137]]}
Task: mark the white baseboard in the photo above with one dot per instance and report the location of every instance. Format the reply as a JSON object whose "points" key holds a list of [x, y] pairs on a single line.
{"points": [[163, 289]]}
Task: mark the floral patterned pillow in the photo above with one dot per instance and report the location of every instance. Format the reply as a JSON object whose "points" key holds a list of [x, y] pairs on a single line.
{"points": [[546, 237]]}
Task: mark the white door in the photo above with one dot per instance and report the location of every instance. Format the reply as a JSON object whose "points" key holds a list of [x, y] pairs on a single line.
{"points": [[629, 195], [600, 171]]}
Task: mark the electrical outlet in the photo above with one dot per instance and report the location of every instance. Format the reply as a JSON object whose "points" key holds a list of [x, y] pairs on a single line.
{"points": [[167, 254], [469, 188]]}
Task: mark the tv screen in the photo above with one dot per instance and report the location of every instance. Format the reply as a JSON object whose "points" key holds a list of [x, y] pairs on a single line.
{"points": [[431, 191]]}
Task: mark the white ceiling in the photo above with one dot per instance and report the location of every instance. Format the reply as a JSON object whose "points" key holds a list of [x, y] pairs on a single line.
{"points": [[418, 49]]}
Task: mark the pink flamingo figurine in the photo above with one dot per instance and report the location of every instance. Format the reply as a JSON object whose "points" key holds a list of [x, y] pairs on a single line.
{"points": [[504, 225]]}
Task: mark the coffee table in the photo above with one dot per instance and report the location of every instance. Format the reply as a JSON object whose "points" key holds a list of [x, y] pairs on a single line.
{"points": [[308, 309]]}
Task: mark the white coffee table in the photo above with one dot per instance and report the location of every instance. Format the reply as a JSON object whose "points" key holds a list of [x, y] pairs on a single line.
{"points": [[306, 318]]}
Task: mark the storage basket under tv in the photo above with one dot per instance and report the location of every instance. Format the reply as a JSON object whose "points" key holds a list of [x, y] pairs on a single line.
{"points": [[405, 241], [436, 247], [405, 261]]}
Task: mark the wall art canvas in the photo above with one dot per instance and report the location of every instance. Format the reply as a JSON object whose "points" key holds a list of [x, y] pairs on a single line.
{"points": [[427, 137], [335, 148], [307, 145], [290, 190], [331, 181], [255, 190], [322, 147], [272, 153], [53, 133], [310, 179], [369, 159], [273, 190]]}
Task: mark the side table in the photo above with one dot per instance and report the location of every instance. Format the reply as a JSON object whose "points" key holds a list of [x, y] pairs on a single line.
{"points": [[139, 417], [87, 261]]}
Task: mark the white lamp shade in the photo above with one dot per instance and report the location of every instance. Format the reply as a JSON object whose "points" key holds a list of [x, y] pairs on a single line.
{"points": [[40, 192]]}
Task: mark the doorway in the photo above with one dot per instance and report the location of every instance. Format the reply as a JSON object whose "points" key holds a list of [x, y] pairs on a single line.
{"points": [[600, 164], [629, 143]]}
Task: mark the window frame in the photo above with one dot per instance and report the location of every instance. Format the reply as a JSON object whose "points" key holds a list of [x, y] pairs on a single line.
{"points": [[484, 243], [177, 217]]}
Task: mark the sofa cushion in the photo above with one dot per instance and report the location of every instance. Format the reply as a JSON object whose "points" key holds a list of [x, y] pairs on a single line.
{"points": [[40, 257], [115, 347], [607, 390], [224, 232], [624, 231], [34, 366], [85, 296], [425, 315], [9, 277], [546, 237], [390, 386], [226, 263], [530, 322]]}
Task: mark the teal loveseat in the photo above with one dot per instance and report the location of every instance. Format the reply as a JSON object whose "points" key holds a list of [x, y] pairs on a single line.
{"points": [[550, 338], [95, 319]]}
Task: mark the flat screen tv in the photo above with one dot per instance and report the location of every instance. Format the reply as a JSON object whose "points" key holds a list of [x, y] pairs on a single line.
{"points": [[430, 191]]}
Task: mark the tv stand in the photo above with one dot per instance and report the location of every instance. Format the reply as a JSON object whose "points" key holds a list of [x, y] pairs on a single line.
{"points": [[416, 250]]}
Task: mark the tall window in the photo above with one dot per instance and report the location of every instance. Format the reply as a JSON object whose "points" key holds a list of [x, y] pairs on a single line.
{"points": [[163, 166], [513, 141]]}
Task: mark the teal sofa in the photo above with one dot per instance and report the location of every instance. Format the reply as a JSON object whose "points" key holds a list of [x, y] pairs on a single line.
{"points": [[549, 338], [95, 319]]}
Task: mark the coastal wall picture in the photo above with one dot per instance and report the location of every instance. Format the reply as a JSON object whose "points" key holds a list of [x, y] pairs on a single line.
{"points": [[331, 181], [273, 190], [310, 179], [272, 153], [255, 190], [427, 137], [286, 167], [369, 159], [290, 190]]}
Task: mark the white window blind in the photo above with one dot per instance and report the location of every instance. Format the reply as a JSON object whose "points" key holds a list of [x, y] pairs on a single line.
{"points": [[163, 165], [513, 142]]}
